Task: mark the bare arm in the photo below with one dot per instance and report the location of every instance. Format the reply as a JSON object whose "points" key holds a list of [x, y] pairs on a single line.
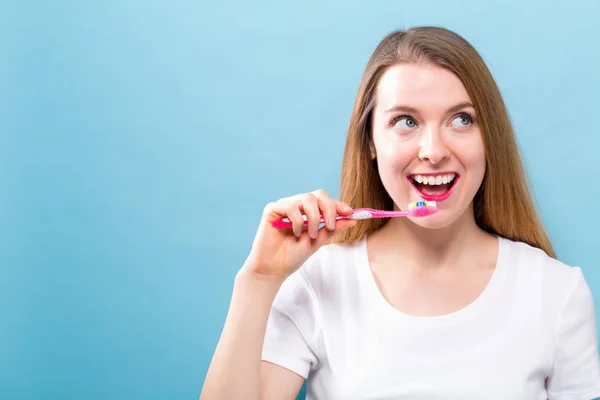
{"points": [[278, 383], [237, 371]]}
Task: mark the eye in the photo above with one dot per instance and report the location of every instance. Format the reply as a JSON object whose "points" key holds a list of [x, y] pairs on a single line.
{"points": [[461, 120], [404, 122]]}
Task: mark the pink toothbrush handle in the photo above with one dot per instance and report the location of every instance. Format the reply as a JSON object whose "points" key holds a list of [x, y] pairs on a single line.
{"points": [[286, 223], [418, 209]]}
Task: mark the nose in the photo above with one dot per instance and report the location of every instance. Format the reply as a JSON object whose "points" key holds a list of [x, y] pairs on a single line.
{"points": [[433, 149]]}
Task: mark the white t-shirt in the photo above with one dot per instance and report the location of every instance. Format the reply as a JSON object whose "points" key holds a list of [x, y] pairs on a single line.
{"points": [[530, 335]]}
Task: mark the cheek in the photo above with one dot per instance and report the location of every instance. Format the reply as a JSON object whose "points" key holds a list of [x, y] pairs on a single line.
{"points": [[472, 156], [392, 154], [393, 159]]}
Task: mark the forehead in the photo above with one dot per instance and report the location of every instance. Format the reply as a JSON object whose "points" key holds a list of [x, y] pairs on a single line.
{"points": [[425, 87]]}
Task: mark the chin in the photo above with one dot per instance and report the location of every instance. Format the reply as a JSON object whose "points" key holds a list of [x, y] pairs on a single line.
{"points": [[436, 221]]}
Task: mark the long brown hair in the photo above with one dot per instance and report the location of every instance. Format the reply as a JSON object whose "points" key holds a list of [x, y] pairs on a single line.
{"points": [[503, 205]]}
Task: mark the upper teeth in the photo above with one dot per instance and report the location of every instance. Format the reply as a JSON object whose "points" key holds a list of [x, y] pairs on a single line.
{"points": [[434, 180]]}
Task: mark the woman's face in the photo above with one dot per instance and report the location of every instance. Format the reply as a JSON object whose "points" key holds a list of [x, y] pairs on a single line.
{"points": [[427, 141]]}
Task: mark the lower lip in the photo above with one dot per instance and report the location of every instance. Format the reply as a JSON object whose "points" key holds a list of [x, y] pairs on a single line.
{"points": [[435, 198]]}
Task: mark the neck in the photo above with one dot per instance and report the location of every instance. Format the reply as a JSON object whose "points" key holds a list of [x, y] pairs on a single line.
{"points": [[433, 248]]}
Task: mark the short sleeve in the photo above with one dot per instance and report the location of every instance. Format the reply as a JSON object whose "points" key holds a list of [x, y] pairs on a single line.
{"points": [[292, 327], [576, 371]]}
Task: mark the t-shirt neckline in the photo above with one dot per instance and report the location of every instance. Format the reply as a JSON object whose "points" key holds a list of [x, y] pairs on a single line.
{"points": [[466, 312]]}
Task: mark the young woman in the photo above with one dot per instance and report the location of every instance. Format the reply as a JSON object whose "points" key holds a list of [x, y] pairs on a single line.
{"points": [[468, 303]]}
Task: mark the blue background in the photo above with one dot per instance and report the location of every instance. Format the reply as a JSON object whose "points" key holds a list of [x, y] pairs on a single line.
{"points": [[140, 140]]}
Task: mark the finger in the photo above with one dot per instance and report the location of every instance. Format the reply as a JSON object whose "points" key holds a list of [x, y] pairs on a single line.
{"points": [[325, 235], [310, 206], [328, 208], [277, 211], [294, 214], [343, 208]]}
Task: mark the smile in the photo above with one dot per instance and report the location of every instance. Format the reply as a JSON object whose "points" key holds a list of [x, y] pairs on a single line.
{"points": [[434, 187]]}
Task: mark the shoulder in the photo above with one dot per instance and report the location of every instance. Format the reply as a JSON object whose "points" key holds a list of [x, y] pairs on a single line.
{"points": [[555, 297], [542, 277], [332, 261], [329, 272], [335, 269], [535, 262]]}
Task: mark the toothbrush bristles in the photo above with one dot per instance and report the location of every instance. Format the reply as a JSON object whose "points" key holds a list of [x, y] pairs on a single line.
{"points": [[422, 208]]}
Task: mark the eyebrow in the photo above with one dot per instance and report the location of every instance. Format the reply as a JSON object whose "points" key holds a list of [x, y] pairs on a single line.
{"points": [[404, 108]]}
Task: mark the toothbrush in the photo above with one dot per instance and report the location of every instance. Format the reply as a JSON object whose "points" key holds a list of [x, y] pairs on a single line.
{"points": [[415, 209]]}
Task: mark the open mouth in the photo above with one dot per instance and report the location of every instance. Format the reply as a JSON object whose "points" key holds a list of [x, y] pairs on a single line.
{"points": [[434, 187]]}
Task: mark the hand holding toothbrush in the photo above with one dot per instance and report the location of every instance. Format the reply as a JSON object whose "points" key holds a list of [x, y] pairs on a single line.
{"points": [[276, 253], [282, 244]]}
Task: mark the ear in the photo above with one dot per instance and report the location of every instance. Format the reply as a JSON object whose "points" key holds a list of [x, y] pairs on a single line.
{"points": [[372, 150]]}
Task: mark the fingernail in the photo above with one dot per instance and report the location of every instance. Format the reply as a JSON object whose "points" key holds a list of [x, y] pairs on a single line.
{"points": [[331, 223]]}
